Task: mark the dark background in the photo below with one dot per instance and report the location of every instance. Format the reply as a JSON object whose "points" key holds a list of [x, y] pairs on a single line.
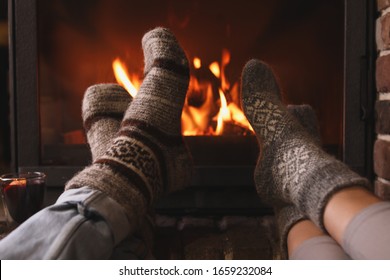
{"points": [[5, 154], [328, 43]]}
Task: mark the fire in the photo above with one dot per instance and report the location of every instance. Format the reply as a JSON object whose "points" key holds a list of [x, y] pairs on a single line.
{"points": [[197, 63], [223, 114], [201, 114], [214, 68], [122, 77], [225, 61]]}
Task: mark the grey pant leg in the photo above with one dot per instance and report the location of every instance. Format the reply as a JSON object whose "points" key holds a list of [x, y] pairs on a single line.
{"points": [[319, 248], [82, 224], [368, 234]]}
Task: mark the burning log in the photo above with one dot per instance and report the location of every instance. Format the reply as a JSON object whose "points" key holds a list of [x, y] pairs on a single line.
{"points": [[226, 150]]}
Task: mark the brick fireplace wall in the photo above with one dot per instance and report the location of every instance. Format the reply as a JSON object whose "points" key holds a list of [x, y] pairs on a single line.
{"points": [[382, 144]]}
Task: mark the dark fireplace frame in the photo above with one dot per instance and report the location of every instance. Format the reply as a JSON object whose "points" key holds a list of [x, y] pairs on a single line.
{"points": [[359, 96]]}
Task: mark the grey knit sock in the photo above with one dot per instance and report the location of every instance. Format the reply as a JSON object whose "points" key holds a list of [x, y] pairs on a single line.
{"points": [[154, 117], [306, 116], [287, 216], [292, 167], [103, 108], [148, 157]]}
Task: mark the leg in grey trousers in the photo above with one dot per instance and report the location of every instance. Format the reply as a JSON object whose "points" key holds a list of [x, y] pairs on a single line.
{"points": [[319, 248], [366, 237], [82, 224]]}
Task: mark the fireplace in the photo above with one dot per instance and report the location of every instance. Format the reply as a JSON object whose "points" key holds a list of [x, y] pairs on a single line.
{"points": [[322, 52]]}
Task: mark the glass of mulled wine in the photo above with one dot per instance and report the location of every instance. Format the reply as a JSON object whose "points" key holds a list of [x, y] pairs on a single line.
{"points": [[22, 194]]}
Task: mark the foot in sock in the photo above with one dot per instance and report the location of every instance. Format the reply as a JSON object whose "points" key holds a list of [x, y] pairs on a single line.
{"points": [[155, 114], [103, 108], [292, 168], [148, 157]]}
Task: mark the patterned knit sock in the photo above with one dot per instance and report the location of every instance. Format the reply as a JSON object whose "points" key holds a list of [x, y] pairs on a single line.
{"points": [[292, 167], [148, 157], [287, 216], [154, 118], [306, 116], [103, 108]]}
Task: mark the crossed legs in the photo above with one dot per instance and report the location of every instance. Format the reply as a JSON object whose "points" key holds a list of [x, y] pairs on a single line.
{"points": [[139, 155]]}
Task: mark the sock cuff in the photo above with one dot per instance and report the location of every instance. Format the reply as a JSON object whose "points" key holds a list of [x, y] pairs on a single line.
{"points": [[101, 177], [328, 180], [286, 218]]}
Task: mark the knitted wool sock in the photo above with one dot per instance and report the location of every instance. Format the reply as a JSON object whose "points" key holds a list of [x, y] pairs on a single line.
{"points": [[287, 216], [307, 118], [103, 108], [292, 167], [148, 157]]}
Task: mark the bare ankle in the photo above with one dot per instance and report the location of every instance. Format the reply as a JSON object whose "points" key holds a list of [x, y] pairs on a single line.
{"points": [[300, 232], [343, 206]]}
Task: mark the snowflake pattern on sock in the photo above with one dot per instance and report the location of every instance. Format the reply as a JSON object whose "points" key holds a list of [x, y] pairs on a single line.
{"points": [[265, 117], [292, 167]]}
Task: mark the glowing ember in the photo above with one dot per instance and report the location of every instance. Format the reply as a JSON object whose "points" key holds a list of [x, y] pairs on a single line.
{"points": [[201, 113]]}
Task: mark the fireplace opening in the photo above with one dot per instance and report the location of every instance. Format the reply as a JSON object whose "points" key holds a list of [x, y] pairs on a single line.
{"points": [[316, 48], [79, 44], [322, 51]]}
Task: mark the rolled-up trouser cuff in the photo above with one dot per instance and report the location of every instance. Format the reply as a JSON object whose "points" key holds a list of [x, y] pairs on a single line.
{"points": [[83, 224]]}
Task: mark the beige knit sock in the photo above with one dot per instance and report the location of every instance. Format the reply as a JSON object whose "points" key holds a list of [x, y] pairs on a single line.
{"points": [[103, 108], [148, 158]]}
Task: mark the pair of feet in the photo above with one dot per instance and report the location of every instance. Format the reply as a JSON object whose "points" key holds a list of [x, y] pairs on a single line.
{"points": [[139, 153]]}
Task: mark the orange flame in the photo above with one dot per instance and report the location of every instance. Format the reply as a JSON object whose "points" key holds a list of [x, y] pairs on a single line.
{"points": [[198, 118], [197, 63], [214, 68], [225, 61], [195, 121], [122, 76], [223, 114]]}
